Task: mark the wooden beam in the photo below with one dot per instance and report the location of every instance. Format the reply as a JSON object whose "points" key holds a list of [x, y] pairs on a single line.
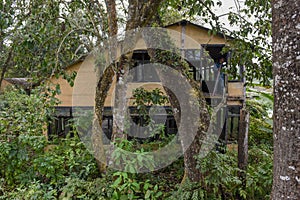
{"points": [[243, 146]]}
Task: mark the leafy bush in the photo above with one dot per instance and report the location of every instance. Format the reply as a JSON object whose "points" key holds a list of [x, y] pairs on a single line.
{"points": [[76, 188], [220, 171], [126, 186], [221, 180], [259, 172], [21, 113], [34, 168], [31, 166], [31, 160], [34, 190], [22, 120], [17, 157], [68, 158], [261, 123]]}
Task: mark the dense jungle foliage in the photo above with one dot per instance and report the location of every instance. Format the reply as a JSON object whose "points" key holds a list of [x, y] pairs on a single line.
{"points": [[34, 168]]}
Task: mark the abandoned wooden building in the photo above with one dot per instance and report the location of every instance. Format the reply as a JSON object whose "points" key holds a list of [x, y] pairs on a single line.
{"points": [[203, 72]]}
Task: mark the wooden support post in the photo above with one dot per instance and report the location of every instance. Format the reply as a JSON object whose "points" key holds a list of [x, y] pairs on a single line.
{"points": [[243, 146], [183, 40]]}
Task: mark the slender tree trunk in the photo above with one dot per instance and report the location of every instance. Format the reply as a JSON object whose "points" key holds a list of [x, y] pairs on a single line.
{"points": [[101, 93], [5, 66], [286, 72], [112, 17], [140, 14], [120, 102], [103, 86], [243, 148]]}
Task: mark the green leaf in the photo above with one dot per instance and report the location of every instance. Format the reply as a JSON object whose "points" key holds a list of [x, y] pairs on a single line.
{"points": [[147, 195], [117, 182]]}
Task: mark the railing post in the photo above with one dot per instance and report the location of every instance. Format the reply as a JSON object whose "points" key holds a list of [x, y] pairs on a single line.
{"points": [[243, 147]]}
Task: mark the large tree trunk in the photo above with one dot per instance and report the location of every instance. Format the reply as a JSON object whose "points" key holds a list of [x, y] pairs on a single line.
{"points": [[191, 149], [286, 72], [191, 142]]}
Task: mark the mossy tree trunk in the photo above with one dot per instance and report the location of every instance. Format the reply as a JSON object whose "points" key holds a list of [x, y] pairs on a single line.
{"points": [[191, 150], [139, 15], [191, 143], [102, 88]]}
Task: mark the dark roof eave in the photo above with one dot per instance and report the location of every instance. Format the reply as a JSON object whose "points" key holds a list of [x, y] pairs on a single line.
{"points": [[23, 82]]}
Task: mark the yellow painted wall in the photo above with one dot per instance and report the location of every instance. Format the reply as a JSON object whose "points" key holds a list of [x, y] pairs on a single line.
{"points": [[4, 84], [65, 96], [195, 35], [82, 94]]}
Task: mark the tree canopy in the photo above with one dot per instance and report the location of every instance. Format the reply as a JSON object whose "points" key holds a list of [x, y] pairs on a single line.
{"points": [[38, 38]]}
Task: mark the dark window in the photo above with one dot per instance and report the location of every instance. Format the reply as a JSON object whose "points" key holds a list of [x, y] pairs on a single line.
{"points": [[61, 125], [143, 72], [139, 127], [193, 54], [171, 125], [233, 121], [193, 57], [107, 126], [215, 51], [141, 122], [63, 122]]}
